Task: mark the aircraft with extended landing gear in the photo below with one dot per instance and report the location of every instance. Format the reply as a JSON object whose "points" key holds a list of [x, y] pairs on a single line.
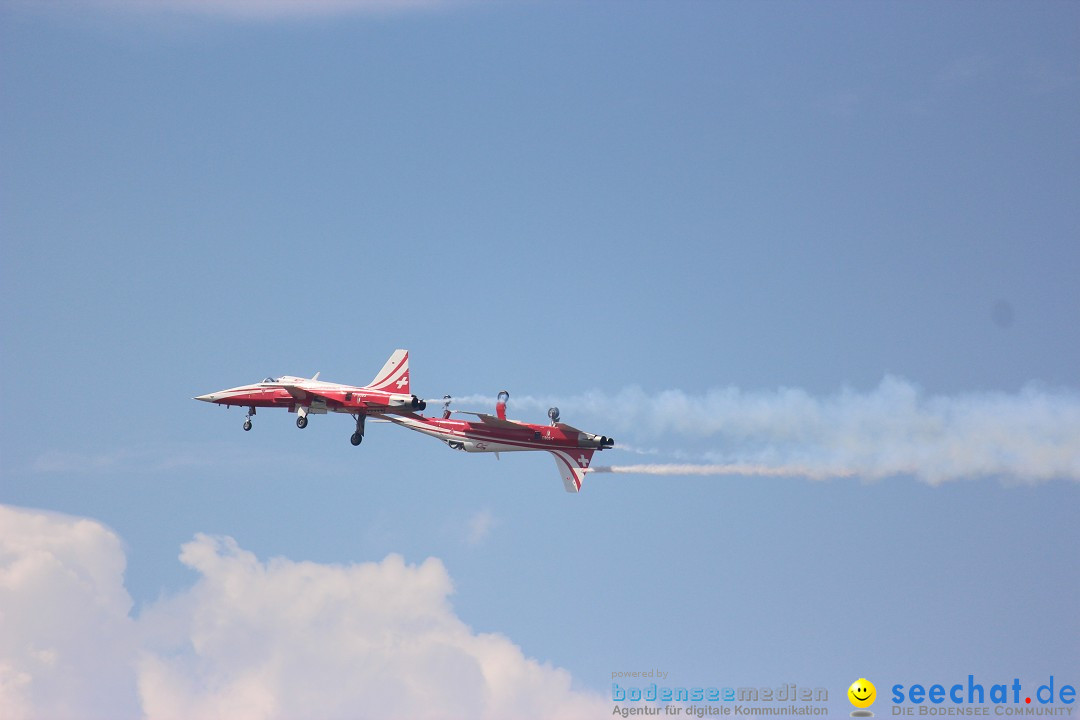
{"points": [[388, 393], [572, 448]]}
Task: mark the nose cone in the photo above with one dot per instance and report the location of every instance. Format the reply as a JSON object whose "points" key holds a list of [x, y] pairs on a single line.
{"points": [[207, 398]]}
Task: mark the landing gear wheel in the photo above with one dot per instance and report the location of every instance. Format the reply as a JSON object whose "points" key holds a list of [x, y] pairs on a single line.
{"points": [[358, 436], [301, 422], [247, 425]]}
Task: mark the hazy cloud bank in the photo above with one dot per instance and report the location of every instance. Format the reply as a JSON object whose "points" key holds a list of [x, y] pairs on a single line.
{"points": [[258, 9]]}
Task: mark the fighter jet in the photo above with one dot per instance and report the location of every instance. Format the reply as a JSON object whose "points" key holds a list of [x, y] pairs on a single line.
{"points": [[572, 448], [388, 393]]}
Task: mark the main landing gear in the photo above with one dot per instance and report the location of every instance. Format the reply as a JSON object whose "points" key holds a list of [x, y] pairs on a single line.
{"points": [[358, 436], [302, 422]]}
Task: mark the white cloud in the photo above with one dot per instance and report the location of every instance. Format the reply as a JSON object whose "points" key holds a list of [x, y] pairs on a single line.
{"points": [[479, 527], [251, 639], [66, 641]]}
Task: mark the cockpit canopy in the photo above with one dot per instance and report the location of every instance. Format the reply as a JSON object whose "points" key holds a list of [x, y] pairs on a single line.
{"points": [[269, 380]]}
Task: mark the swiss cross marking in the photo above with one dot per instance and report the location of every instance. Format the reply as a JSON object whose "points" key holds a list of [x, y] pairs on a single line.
{"points": [[403, 381], [583, 461]]}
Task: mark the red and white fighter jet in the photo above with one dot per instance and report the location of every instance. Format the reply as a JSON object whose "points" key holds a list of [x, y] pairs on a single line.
{"points": [[572, 448], [387, 393]]}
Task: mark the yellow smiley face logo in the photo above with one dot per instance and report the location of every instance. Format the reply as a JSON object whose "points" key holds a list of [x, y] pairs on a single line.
{"points": [[862, 693]]}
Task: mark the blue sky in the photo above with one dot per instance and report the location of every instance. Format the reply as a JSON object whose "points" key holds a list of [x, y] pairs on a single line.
{"points": [[784, 213]]}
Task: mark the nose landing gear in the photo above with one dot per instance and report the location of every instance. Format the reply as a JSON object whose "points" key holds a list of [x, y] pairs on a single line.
{"points": [[247, 418]]}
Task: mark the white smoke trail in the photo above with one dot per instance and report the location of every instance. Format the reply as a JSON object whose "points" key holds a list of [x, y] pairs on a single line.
{"points": [[893, 430], [740, 470]]}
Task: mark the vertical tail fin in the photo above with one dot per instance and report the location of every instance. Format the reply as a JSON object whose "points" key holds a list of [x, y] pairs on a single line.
{"points": [[394, 376], [573, 465]]}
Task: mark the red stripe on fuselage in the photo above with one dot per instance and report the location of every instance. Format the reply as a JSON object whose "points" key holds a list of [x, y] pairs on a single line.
{"points": [[524, 438], [361, 400]]}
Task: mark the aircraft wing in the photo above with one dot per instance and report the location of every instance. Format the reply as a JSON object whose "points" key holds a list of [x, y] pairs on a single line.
{"points": [[494, 421], [304, 395], [298, 392]]}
